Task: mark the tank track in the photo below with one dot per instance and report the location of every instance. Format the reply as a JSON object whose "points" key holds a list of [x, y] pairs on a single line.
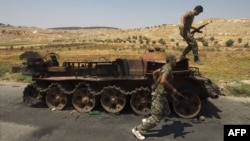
{"points": [[113, 98]]}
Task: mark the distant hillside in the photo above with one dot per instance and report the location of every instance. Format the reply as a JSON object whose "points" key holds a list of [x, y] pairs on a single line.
{"points": [[216, 33], [78, 28]]}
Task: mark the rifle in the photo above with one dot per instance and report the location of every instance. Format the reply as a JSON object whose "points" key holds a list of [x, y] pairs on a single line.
{"points": [[175, 99], [199, 28]]}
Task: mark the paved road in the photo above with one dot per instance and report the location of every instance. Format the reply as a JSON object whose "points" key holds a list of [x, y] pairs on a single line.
{"points": [[21, 123]]}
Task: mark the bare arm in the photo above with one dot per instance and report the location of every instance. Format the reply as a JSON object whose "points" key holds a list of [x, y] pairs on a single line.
{"points": [[166, 84], [156, 74]]}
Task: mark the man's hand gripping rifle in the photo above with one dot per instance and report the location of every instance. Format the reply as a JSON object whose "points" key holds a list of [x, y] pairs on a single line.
{"points": [[175, 99], [198, 30]]}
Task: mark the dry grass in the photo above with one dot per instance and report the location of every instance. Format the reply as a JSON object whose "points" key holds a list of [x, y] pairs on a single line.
{"points": [[226, 64]]}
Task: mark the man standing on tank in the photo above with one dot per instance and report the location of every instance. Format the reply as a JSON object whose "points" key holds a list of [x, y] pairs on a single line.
{"points": [[159, 108], [185, 26]]}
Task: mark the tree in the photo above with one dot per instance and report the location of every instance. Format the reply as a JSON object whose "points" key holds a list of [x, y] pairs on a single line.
{"points": [[239, 40], [161, 41], [229, 42], [212, 39]]}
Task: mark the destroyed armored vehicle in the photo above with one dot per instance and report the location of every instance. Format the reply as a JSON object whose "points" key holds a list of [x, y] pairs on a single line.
{"points": [[112, 83]]}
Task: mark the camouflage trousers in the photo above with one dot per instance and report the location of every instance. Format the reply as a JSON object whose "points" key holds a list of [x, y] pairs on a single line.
{"points": [[159, 110], [192, 44]]}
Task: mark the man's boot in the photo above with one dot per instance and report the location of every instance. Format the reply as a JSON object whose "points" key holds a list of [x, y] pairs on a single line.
{"points": [[197, 60]]}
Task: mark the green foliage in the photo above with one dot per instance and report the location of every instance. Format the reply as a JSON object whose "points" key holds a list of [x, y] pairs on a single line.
{"points": [[215, 42], [17, 77], [218, 49], [118, 40], [240, 90], [205, 43], [108, 41], [162, 42], [246, 45], [143, 46], [212, 39], [5, 74], [22, 78], [229, 42], [141, 41], [239, 40], [148, 41], [78, 28], [3, 70], [134, 37], [145, 38], [177, 44]]}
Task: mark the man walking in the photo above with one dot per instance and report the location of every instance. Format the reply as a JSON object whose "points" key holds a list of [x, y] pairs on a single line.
{"points": [[159, 109], [185, 26]]}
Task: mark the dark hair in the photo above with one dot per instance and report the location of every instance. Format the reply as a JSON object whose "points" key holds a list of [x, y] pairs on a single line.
{"points": [[170, 57], [198, 8]]}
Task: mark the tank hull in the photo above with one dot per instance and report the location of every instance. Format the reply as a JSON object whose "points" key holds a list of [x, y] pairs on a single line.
{"points": [[112, 84]]}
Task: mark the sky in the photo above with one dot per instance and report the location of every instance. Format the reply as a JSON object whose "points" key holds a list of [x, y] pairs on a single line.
{"points": [[123, 14]]}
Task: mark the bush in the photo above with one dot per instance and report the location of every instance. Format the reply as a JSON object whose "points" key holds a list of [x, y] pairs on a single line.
{"points": [[4, 70], [239, 40], [161, 41], [205, 43], [21, 78], [177, 44], [240, 90], [229, 42], [246, 45], [18, 77], [215, 42]]}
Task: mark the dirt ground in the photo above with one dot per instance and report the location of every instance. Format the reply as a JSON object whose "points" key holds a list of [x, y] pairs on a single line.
{"points": [[21, 123]]}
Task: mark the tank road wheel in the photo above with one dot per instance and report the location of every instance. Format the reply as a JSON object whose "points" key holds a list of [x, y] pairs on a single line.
{"points": [[56, 98], [189, 107], [113, 100], [30, 95], [140, 102], [83, 100]]}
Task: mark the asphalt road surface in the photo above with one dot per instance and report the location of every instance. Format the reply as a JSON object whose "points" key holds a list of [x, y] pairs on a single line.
{"points": [[21, 123]]}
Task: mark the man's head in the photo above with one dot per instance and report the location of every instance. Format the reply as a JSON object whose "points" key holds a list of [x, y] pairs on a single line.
{"points": [[171, 59], [198, 9]]}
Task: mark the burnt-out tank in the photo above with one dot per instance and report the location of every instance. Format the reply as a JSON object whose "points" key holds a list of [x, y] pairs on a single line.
{"points": [[112, 83]]}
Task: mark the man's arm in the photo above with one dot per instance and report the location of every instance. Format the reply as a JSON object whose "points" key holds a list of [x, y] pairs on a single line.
{"points": [[166, 84], [156, 74]]}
